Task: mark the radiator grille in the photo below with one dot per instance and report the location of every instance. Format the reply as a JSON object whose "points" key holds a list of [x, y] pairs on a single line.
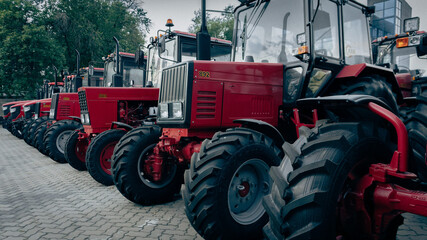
{"points": [[82, 101], [64, 110], [174, 84], [16, 113]]}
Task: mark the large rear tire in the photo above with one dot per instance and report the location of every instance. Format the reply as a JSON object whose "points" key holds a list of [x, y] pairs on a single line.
{"points": [[128, 161], [99, 154], [75, 151], [374, 85], [38, 137], [26, 129], [316, 177], [224, 187], [416, 124], [32, 129], [56, 136]]}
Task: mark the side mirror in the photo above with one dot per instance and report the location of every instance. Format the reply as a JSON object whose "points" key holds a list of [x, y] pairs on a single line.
{"points": [[162, 45], [132, 83], [139, 57]]}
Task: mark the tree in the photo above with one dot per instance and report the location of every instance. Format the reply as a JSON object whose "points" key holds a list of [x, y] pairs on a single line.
{"points": [[26, 49], [35, 34], [219, 27]]}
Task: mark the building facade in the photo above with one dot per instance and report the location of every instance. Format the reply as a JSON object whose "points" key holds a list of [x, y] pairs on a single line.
{"points": [[388, 17]]}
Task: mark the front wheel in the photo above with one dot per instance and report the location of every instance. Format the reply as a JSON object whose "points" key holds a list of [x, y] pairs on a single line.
{"points": [[56, 136], [322, 190], [75, 151], [224, 187], [99, 153], [38, 137], [130, 163]]}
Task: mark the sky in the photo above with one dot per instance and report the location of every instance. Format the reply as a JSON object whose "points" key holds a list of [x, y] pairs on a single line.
{"points": [[182, 11]]}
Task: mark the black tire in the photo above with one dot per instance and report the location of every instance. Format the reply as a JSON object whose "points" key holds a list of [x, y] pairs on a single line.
{"points": [[126, 175], [75, 151], [416, 124], [9, 124], [38, 137], [312, 177], [56, 136], [17, 128], [26, 128], [99, 155], [214, 204], [374, 85], [32, 129]]}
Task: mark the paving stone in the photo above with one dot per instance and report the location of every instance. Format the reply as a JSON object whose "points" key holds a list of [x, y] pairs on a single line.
{"points": [[41, 199]]}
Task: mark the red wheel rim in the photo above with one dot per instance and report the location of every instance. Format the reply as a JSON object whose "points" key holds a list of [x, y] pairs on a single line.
{"points": [[105, 158], [80, 150]]}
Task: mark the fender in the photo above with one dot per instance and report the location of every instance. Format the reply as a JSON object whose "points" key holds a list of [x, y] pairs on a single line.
{"points": [[341, 101], [363, 69], [75, 118], [264, 128], [122, 125]]}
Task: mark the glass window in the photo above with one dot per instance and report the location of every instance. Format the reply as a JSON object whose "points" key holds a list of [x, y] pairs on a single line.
{"points": [[326, 41], [389, 4], [388, 12], [357, 49], [379, 14], [267, 32], [379, 6]]}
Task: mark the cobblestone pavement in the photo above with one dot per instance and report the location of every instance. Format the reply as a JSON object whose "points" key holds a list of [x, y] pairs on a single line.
{"points": [[41, 199]]}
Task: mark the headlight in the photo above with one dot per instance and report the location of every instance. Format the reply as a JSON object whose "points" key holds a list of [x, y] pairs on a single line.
{"points": [[13, 110], [4, 108], [36, 116], [52, 113], [27, 108], [87, 120], [164, 112], [177, 110], [82, 118]]}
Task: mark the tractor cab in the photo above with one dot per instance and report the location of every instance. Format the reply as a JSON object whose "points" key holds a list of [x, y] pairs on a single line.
{"points": [[173, 47], [133, 75], [406, 55], [93, 76]]}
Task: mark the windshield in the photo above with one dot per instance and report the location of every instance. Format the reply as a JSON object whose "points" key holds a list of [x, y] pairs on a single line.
{"points": [[155, 66], [267, 32], [405, 59]]}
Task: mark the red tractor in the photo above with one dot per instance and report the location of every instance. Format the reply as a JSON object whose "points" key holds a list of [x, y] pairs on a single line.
{"points": [[119, 110], [22, 113], [353, 178], [114, 109], [283, 51], [64, 118], [399, 53]]}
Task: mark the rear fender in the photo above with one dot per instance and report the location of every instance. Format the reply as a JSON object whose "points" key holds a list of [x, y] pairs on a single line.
{"points": [[125, 126], [264, 128], [364, 69], [77, 119]]}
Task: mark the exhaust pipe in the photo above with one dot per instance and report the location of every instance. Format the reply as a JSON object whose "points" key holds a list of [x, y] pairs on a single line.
{"points": [[203, 38], [78, 81], [117, 77]]}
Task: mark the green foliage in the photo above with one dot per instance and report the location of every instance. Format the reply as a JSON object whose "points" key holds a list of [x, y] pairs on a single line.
{"points": [[36, 34], [219, 27]]}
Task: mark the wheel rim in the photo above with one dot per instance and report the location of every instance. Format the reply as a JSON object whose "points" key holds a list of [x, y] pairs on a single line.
{"points": [[105, 157], [170, 172], [62, 139], [80, 150], [249, 184]]}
